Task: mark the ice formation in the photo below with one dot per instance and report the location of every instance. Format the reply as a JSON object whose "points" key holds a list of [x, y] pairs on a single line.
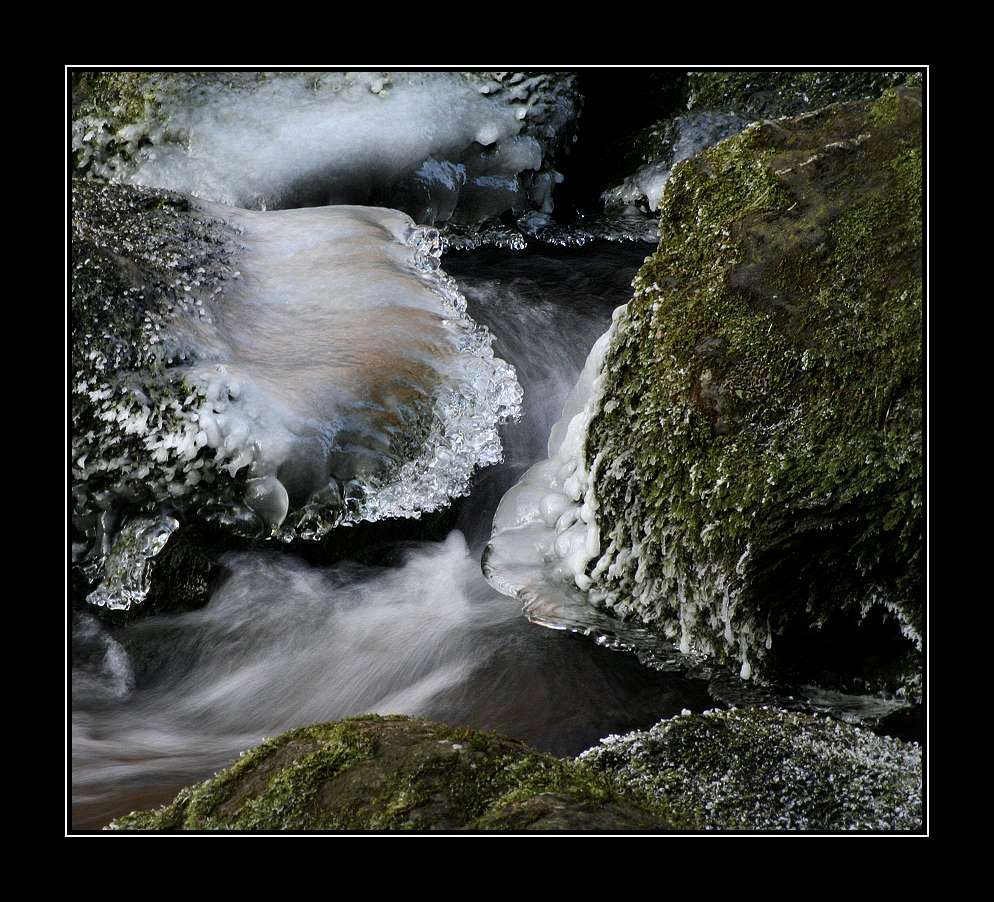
{"points": [[443, 146], [545, 531], [128, 566], [547, 547], [332, 376], [679, 139], [344, 362]]}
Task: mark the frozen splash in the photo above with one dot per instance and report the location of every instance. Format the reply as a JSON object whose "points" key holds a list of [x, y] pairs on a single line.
{"points": [[329, 375], [545, 547], [677, 140]]}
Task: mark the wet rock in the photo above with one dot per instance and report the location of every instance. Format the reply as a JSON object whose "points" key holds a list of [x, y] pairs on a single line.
{"points": [[716, 105], [397, 773], [768, 94]]}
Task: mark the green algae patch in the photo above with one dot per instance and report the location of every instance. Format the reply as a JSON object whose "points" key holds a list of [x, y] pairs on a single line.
{"points": [[398, 773], [757, 453], [768, 769]]}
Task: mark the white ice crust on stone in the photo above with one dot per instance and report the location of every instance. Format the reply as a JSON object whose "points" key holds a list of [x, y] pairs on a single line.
{"points": [[545, 528], [295, 139]]}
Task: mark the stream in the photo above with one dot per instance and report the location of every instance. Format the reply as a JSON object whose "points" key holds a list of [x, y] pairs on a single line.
{"points": [[171, 699]]}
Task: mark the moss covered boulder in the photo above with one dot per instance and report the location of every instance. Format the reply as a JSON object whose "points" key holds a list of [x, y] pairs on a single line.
{"points": [[756, 453], [767, 769], [714, 105], [397, 773]]}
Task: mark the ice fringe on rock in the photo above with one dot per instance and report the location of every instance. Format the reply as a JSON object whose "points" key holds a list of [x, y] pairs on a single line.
{"points": [[545, 529], [127, 571], [442, 146], [333, 377]]}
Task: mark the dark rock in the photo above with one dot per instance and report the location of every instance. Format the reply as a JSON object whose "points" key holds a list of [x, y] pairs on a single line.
{"points": [[760, 433]]}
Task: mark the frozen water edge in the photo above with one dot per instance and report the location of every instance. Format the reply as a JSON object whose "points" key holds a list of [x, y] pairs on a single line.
{"points": [[400, 389], [545, 527], [338, 376]]}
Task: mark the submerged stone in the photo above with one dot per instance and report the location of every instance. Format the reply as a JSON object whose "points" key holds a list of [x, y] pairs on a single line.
{"points": [[767, 769], [398, 773]]}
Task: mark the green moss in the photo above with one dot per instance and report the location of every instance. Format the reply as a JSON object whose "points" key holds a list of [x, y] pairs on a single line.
{"points": [[120, 96], [760, 436], [393, 773]]}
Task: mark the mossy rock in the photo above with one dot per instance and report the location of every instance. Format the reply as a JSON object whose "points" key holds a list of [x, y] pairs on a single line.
{"points": [[770, 93], [398, 773], [768, 769], [758, 446]]}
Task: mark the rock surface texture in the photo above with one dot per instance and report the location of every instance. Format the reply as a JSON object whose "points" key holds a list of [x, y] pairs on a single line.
{"points": [[395, 773], [757, 450]]}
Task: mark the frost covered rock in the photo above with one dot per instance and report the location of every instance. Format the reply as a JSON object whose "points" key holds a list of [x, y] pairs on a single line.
{"points": [[751, 475], [442, 146], [766, 769], [772, 93], [275, 374], [398, 773]]}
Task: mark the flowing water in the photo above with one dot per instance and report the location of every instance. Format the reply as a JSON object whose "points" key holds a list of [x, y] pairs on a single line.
{"points": [[171, 699]]}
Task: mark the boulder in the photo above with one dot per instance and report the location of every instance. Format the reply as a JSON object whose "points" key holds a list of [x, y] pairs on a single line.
{"points": [[767, 769], [739, 467], [398, 773], [757, 449]]}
